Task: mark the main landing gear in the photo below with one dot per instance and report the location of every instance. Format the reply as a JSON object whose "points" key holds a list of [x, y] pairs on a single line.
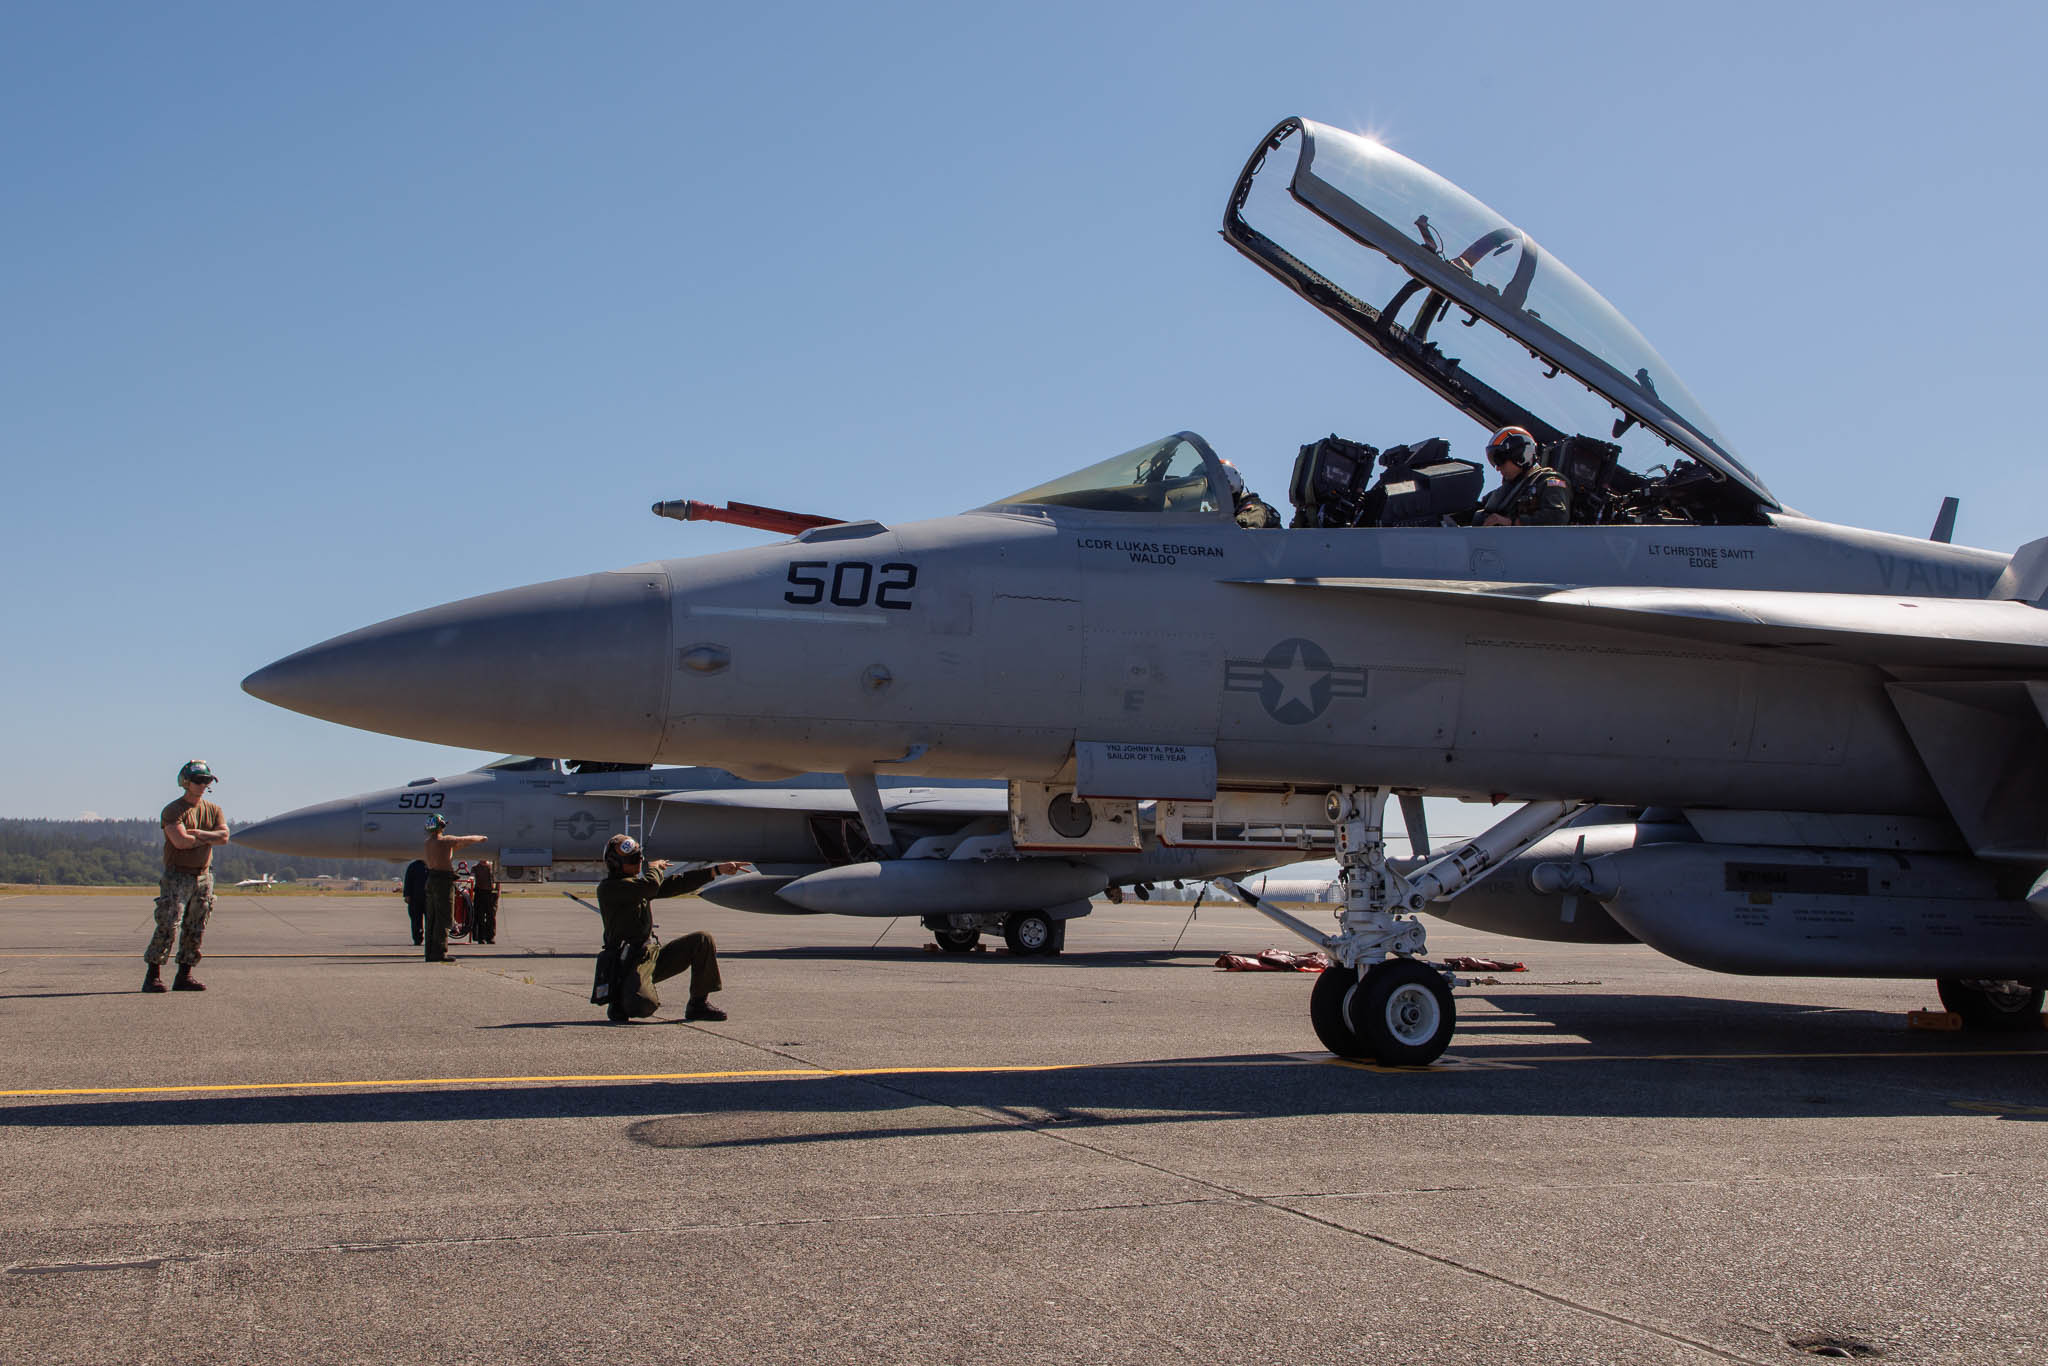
{"points": [[1993, 1006], [1028, 934], [1380, 1001]]}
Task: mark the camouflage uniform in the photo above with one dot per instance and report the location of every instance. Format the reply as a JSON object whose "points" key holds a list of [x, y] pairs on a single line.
{"points": [[180, 890], [1539, 498]]}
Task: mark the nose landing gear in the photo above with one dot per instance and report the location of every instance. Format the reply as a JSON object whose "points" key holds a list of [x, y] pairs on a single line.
{"points": [[1380, 1001]]}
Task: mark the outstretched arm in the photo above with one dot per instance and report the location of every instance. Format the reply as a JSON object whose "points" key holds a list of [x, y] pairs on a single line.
{"points": [[682, 884]]}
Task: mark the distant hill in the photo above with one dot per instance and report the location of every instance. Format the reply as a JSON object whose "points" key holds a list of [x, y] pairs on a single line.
{"points": [[114, 853]]}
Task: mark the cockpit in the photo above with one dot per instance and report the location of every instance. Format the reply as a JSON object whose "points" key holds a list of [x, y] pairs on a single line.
{"points": [[526, 763], [521, 763], [1176, 476], [1470, 305]]}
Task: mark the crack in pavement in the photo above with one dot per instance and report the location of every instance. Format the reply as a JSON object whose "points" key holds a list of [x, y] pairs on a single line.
{"points": [[1061, 1134]]}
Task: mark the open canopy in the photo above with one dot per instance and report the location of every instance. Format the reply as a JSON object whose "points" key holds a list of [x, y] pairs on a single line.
{"points": [[1460, 262]]}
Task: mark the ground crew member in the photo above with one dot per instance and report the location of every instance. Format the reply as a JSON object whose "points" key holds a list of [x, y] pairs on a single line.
{"points": [[414, 888], [625, 900], [192, 827], [483, 904], [1253, 512], [440, 857], [1530, 493]]}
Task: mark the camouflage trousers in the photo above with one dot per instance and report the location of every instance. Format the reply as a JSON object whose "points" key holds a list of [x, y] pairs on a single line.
{"points": [[180, 893]]}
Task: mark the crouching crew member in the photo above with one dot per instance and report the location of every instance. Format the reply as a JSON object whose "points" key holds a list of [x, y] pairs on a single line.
{"points": [[192, 826], [625, 899], [440, 856]]}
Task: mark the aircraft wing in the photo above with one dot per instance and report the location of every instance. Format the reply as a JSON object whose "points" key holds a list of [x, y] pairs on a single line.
{"points": [[1880, 630], [920, 801]]}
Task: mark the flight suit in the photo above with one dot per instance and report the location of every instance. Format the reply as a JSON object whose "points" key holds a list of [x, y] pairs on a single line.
{"points": [[626, 905], [1256, 514], [1541, 497]]}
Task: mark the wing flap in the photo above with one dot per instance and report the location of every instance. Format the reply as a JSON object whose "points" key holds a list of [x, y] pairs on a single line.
{"points": [[1884, 631]]}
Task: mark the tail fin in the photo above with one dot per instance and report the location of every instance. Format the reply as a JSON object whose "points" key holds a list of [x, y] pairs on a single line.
{"points": [[2026, 577]]}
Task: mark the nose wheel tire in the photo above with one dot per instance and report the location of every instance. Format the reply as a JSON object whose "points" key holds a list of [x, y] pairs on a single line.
{"points": [[1403, 1012], [1034, 933], [1400, 1013], [1326, 1013], [2002, 1007]]}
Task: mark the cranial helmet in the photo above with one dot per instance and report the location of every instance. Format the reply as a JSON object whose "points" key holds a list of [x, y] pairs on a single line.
{"points": [[195, 771], [1512, 443], [617, 850], [437, 821], [1233, 478]]}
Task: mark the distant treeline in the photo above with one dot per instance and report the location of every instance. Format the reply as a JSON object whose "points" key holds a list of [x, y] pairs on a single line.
{"points": [[114, 853]]}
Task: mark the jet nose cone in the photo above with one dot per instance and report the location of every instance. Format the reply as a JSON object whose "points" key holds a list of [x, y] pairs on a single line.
{"points": [[572, 667], [329, 830]]}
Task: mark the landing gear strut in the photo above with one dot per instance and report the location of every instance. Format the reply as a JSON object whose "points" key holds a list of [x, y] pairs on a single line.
{"points": [[1380, 1001]]}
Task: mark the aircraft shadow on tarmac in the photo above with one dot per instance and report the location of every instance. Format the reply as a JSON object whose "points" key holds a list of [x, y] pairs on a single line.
{"points": [[1112, 958], [1617, 1057]]}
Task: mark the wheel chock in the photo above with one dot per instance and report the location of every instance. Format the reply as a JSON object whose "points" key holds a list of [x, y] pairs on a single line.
{"points": [[1933, 1019]]}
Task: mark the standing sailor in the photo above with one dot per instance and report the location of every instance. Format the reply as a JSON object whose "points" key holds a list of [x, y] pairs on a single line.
{"points": [[440, 857], [192, 827]]}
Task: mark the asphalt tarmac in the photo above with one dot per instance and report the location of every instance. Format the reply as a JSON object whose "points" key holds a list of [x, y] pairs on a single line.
{"points": [[339, 1153]]}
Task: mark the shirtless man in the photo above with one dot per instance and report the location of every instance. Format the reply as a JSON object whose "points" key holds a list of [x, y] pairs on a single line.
{"points": [[440, 856]]}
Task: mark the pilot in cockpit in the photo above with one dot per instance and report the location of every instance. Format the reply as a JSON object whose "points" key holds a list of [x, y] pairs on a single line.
{"points": [[1253, 512], [1530, 493]]}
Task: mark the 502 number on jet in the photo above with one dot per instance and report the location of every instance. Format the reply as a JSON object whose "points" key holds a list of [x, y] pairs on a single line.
{"points": [[851, 583]]}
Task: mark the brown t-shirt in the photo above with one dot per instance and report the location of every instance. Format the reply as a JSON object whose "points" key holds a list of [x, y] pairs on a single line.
{"points": [[199, 816]]}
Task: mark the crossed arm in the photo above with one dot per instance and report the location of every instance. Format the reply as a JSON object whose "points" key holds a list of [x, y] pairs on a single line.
{"points": [[180, 837]]}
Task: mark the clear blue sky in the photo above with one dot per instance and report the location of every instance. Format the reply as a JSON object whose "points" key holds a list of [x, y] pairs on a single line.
{"points": [[318, 314]]}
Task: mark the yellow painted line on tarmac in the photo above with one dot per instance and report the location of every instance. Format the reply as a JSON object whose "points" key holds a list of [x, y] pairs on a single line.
{"points": [[756, 1074]]}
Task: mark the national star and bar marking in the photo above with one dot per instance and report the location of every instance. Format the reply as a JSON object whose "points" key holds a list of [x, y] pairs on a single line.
{"points": [[1296, 681]]}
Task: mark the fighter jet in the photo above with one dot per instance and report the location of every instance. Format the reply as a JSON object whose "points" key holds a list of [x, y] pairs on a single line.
{"points": [[1817, 749], [960, 874]]}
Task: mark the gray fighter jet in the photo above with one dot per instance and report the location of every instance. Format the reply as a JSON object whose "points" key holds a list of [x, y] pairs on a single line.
{"points": [[1819, 750], [960, 874]]}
